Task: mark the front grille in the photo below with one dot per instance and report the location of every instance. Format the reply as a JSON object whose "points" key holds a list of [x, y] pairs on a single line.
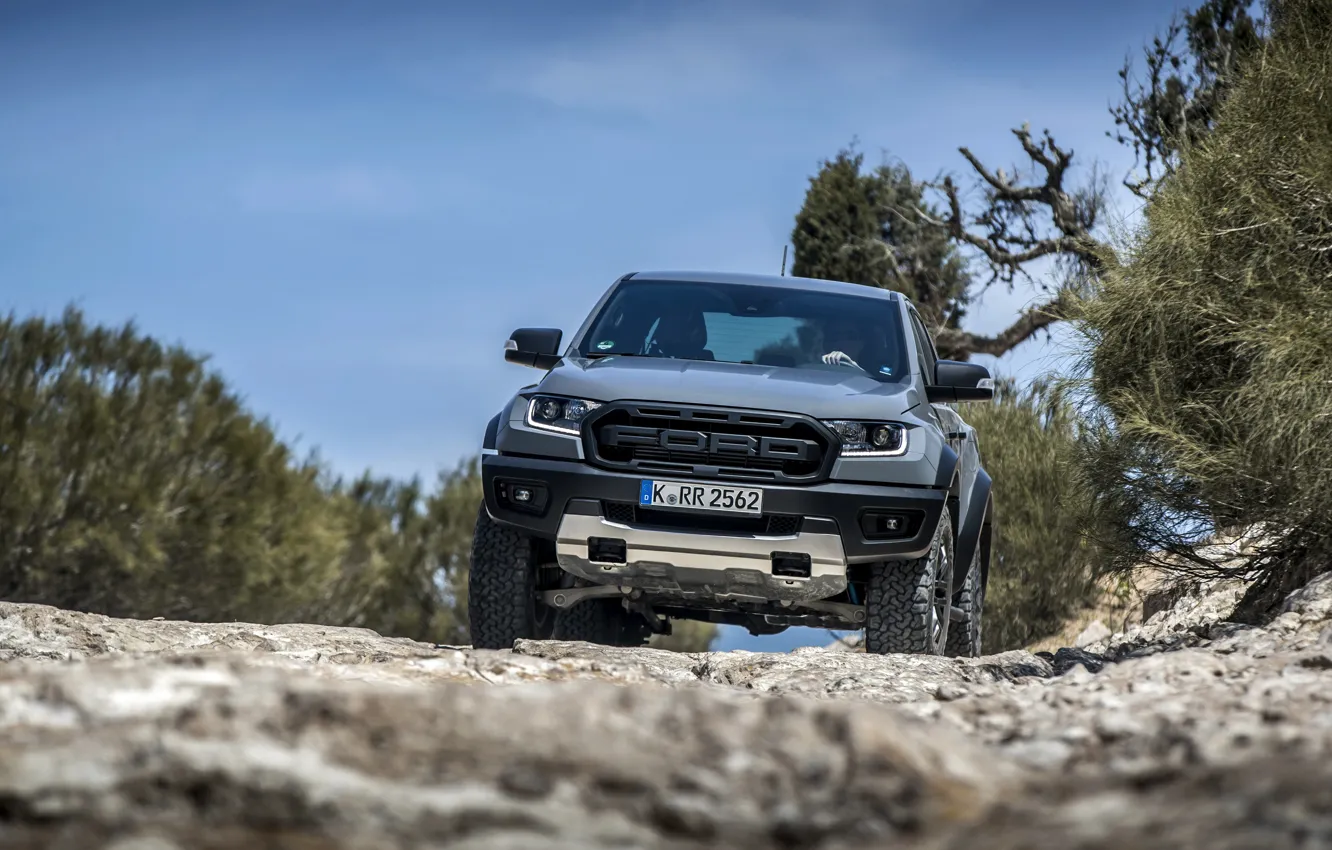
{"points": [[716, 443], [772, 525]]}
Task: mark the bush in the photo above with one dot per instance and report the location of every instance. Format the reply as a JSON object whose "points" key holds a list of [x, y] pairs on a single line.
{"points": [[134, 483], [1210, 353], [1042, 568], [405, 555]]}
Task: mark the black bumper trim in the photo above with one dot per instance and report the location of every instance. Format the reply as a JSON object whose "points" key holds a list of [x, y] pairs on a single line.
{"points": [[841, 503]]}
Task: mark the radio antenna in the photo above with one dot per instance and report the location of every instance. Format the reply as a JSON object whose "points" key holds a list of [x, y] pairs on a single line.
{"points": [[783, 261]]}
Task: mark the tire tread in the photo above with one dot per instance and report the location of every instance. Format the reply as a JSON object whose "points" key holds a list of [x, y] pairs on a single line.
{"points": [[501, 585], [964, 638], [900, 599]]}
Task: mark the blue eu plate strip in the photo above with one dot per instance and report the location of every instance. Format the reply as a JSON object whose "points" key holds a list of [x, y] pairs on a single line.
{"points": [[645, 493]]}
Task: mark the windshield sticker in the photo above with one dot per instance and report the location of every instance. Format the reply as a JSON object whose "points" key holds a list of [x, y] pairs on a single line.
{"points": [[605, 344], [885, 370]]}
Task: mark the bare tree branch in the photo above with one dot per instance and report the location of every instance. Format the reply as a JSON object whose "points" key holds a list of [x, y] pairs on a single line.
{"points": [[1148, 114], [952, 341], [1023, 221], [1190, 71]]}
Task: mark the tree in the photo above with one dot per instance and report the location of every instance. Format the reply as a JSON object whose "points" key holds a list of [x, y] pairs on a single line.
{"points": [[1043, 565], [1028, 215], [405, 559], [1176, 104], [1210, 344], [852, 224], [863, 227], [1033, 214], [133, 482], [877, 229]]}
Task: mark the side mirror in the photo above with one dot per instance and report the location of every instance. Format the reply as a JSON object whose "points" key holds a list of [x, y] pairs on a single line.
{"points": [[536, 347], [955, 380]]}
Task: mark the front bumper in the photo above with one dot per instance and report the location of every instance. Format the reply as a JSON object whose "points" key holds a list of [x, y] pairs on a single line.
{"points": [[573, 488], [686, 565]]}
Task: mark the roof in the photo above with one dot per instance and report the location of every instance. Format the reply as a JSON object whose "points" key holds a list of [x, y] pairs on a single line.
{"points": [[784, 281]]}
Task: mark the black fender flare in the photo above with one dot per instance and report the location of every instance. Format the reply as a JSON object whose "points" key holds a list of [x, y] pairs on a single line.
{"points": [[946, 470], [492, 431], [976, 530]]}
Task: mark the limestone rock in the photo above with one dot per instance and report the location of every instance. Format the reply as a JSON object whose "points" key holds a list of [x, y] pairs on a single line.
{"points": [[1095, 632], [207, 749], [1184, 731]]}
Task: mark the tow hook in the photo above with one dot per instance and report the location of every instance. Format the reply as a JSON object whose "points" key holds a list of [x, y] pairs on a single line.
{"points": [[567, 597]]}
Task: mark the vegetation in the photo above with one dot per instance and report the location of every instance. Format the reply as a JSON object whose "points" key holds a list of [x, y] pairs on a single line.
{"points": [[877, 228], [134, 483], [1043, 567], [880, 228], [1208, 349], [1210, 343], [862, 227], [1177, 102]]}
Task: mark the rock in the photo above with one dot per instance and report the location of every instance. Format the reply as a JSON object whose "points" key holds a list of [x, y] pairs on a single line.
{"points": [[849, 643], [905, 678], [211, 746], [1095, 632], [1185, 731], [1065, 659], [1279, 803]]}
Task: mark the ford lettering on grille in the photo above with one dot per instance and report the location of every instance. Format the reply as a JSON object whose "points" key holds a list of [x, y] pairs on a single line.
{"points": [[698, 442]]}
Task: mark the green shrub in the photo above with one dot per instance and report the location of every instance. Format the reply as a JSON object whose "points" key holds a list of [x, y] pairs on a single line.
{"points": [[134, 483], [404, 561], [1042, 567], [1210, 340]]}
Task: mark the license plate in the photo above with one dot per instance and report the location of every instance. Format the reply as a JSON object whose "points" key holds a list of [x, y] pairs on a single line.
{"points": [[700, 497]]}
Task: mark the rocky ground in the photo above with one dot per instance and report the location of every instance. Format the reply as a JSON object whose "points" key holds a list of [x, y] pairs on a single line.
{"points": [[1185, 731]]}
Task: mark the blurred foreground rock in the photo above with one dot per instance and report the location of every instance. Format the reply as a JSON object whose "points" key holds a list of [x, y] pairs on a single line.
{"points": [[1195, 732]]}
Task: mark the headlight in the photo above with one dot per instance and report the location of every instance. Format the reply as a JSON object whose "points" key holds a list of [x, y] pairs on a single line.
{"points": [[870, 439], [561, 415]]}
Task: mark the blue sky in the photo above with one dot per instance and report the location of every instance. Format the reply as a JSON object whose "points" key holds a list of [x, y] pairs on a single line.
{"points": [[349, 205]]}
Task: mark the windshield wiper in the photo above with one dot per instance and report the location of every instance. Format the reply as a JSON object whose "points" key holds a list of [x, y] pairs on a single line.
{"points": [[596, 355]]}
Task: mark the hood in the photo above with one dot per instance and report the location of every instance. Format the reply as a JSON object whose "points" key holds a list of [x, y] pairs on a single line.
{"points": [[815, 392]]}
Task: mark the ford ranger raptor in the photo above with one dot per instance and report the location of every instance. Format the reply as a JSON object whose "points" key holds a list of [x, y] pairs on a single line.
{"points": [[760, 451]]}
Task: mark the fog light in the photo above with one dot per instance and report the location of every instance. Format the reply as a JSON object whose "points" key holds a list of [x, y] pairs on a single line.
{"points": [[526, 496], [882, 525]]}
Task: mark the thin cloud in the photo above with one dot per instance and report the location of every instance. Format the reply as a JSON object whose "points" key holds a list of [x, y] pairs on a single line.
{"points": [[715, 57]]}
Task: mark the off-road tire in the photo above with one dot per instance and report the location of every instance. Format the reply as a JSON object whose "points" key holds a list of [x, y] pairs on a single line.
{"points": [[902, 605], [964, 636], [601, 621], [501, 587]]}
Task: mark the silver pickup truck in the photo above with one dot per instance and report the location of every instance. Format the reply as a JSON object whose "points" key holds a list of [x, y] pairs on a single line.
{"points": [[759, 451]]}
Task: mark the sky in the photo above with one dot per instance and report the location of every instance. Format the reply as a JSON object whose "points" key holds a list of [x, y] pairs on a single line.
{"points": [[349, 205]]}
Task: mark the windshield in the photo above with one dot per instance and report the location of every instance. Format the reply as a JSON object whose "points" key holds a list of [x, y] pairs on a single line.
{"points": [[760, 325]]}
